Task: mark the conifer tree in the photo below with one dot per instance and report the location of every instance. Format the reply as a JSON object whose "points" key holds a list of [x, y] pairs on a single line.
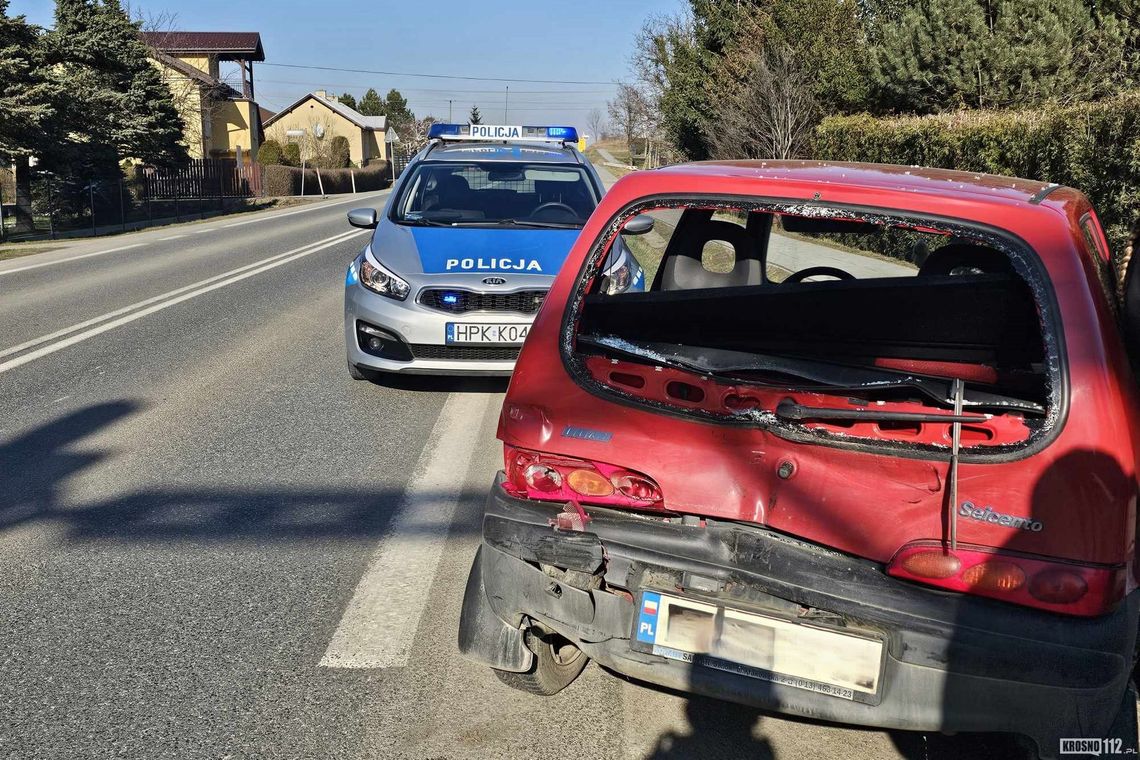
{"points": [[475, 117], [349, 100], [26, 97], [371, 104]]}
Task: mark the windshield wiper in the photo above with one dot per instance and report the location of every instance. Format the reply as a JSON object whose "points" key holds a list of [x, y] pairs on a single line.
{"points": [[426, 223], [829, 376], [526, 223]]}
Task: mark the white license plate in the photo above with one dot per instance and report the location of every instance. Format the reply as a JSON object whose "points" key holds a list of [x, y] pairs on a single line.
{"points": [[775, 650], [482, 332]]}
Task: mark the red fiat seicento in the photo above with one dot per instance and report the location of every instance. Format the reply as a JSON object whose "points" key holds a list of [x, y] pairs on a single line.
{"points": [[864, 450]]}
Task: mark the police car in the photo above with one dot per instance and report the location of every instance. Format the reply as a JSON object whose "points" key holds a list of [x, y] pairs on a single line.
{"points": [[467, 247]]}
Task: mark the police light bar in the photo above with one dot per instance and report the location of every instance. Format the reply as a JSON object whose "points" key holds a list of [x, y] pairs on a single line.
{"points": [[502, 133]]}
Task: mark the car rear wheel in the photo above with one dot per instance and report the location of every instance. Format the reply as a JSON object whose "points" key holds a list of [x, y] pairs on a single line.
{"points": [[557, 663]]}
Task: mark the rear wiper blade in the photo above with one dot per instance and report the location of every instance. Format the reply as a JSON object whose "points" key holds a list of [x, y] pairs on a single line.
{"points": [[829, 376], [790, 410]]}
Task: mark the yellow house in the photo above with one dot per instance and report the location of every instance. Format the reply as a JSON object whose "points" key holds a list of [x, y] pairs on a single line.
{"points": [[319, 116], [219, 121]]}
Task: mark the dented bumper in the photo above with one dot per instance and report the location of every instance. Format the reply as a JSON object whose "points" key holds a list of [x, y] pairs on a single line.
{"points": [[951, 663]]}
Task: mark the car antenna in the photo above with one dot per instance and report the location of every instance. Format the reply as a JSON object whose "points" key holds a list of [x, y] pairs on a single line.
{"points": [[958, 389]]}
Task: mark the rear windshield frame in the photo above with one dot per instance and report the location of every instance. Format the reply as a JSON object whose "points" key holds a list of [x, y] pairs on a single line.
{"points": [[1026, 262]]}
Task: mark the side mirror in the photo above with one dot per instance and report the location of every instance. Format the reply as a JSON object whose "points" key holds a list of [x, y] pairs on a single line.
{"points": [[363, 217], [639, 225]]}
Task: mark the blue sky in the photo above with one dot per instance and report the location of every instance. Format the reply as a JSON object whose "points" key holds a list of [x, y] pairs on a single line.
{"points": [[588, 40]]}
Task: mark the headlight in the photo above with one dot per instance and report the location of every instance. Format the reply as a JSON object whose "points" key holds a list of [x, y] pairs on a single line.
{"points": [[379, 279], [621, 271]]}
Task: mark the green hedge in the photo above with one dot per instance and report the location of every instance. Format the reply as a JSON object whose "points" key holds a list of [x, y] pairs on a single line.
{"points": [[1094, 147], [286, 180]]}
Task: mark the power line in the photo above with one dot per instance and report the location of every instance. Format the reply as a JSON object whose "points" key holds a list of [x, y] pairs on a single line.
{"points": [[437, 90], [435, 76]]}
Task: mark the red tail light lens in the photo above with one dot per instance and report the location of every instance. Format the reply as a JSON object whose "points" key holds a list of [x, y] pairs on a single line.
{"points": [[1058, 586], [1022, 579], [533, 475]]}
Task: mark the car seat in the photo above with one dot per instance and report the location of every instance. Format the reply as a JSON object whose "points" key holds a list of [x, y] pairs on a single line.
{"points": [[683, 269]]}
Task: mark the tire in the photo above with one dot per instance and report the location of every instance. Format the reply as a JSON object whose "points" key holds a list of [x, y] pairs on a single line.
{"points": [[557, 663], [359, 373]]}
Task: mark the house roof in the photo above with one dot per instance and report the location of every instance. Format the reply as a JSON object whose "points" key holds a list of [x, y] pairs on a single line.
{"points": [[377, 123], [196, 74], [227, 46]]}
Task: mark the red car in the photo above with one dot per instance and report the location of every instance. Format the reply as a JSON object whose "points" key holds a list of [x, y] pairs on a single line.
{"points": [[863, 450]]}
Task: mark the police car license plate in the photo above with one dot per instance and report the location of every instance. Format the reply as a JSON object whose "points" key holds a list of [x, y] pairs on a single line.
{"points": [[482, 332], [767, 648]]}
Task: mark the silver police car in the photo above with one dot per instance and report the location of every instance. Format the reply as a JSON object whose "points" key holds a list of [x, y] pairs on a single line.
{"points": [[465, 249]]}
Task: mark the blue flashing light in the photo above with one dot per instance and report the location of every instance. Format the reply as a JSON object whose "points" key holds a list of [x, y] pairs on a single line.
{"points": [[443, 130], [450, 299], [562, 133]]}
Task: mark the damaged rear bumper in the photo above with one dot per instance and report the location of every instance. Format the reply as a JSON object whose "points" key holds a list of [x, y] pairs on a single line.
{"points": [[952, 663]]}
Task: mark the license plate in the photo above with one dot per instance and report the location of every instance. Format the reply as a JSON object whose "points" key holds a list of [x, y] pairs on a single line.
{"points": [[481, 332], [768, 648]]}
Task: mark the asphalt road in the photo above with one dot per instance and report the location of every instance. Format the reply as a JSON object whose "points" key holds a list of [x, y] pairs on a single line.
{"points": [[214, 544]]}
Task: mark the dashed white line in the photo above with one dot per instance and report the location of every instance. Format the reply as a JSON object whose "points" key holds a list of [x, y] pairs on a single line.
{"points": [[158, 303], [380, 622], [172, 237]]}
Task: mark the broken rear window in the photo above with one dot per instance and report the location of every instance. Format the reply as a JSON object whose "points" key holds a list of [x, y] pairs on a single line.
{"points": [[820, 323]]}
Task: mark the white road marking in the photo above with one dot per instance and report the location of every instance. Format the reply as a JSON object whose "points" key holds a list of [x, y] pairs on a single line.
{"points": [[380, 622], [160, 302], [199, 232], [73, 258], [315, 207]]}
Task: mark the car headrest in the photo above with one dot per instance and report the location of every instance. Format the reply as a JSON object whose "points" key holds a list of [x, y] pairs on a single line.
{"points": [[969, 256]]}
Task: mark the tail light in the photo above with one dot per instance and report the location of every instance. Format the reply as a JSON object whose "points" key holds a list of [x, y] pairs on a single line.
{"points": [[1070, 588], [557, 478]]}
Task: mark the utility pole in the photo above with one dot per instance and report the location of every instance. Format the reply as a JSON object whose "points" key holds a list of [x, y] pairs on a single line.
{"points": [[506, 103], [449, 110]]}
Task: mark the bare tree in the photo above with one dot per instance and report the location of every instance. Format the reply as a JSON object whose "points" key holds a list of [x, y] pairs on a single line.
{"points": [[773, 115], [629, 113], [596, 121]]}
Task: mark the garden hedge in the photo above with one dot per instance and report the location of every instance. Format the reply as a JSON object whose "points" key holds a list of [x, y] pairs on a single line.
{"points": [[1094, 147], [286, 180]]}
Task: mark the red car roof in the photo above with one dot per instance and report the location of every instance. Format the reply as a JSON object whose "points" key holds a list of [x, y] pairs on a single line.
{"points": [[886, 181]]}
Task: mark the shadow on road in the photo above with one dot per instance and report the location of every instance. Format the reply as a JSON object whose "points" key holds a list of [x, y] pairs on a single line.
{"points": [[35, 468], [442, 383], [716, 730]]}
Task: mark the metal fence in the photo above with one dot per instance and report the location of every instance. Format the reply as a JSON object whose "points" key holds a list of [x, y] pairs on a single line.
{"points": [[146, 196], [202, 178]]}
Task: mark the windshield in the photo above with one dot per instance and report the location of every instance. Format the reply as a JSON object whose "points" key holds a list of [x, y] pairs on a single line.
{"points": [[496, 194]]}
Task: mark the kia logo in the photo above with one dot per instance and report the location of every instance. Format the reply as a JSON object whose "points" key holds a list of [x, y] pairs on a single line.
{"points": [[494, 281]]}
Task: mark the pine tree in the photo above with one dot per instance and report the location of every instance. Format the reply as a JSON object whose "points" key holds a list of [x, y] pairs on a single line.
{"points": [[117, 106], [475, 117], [26, 97], [933, 57], [396, 108], [371, 104], [348, 100]]}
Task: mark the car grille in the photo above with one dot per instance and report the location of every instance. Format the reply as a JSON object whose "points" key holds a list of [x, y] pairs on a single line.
{"points": [[464, 353], [522, 301]]}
